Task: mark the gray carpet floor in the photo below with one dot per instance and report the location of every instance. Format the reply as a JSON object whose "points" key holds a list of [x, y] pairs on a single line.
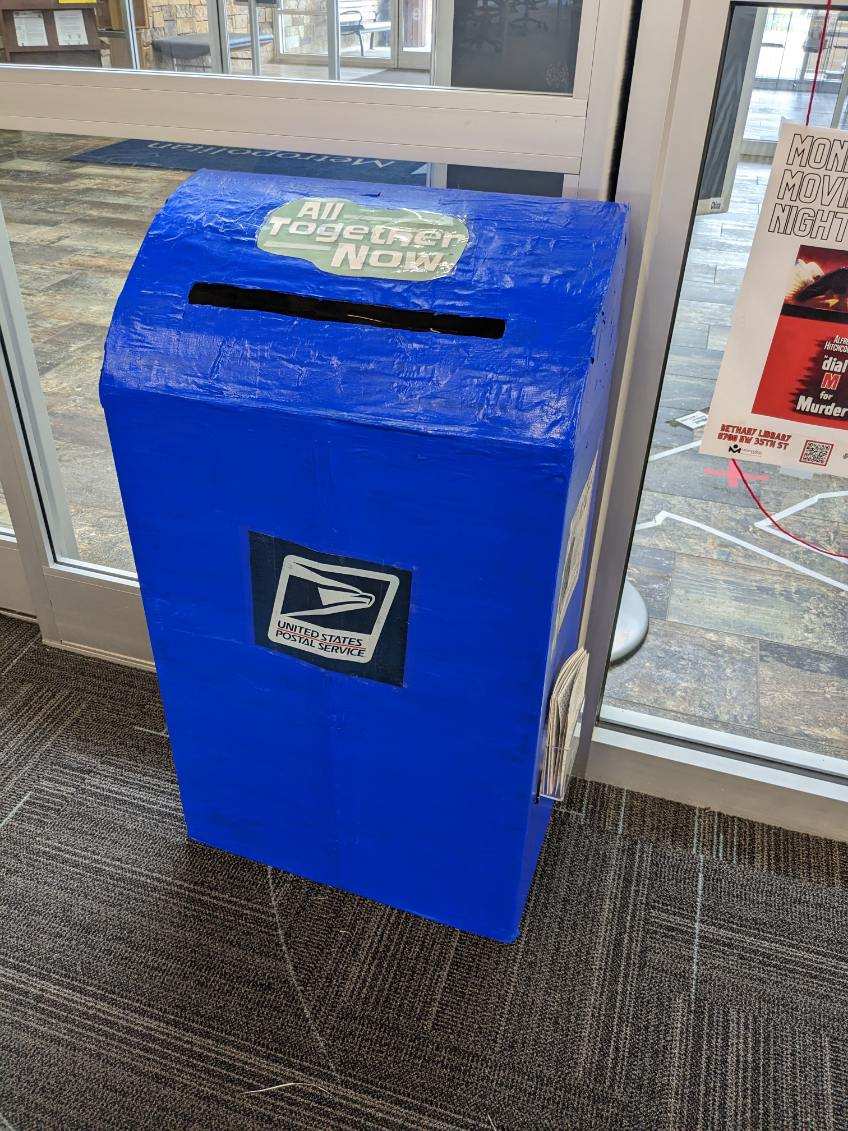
{"points": [[677, 968]]}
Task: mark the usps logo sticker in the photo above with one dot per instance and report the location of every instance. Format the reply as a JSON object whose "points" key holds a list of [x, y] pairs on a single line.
{"points": [[339, 613]]}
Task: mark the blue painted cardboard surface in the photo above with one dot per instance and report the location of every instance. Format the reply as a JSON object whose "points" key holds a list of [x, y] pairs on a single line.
{"points": [[455, 460]]}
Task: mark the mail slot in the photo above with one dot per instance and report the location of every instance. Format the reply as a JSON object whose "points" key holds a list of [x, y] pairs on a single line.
{"points": [[356, 429]]}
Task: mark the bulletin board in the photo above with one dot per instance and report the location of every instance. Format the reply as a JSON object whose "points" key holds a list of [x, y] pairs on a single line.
{"points": [[50, 32]]}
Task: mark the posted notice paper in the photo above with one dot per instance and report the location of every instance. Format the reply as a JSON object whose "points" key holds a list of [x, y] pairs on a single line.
{"points": [[29, 29], [70, 28]]}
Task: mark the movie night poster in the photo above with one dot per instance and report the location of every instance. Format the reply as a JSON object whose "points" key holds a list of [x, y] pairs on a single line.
{"points": [[782, 390]]}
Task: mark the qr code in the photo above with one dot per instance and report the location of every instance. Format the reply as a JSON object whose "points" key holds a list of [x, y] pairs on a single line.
{"points": [[814, 451]]}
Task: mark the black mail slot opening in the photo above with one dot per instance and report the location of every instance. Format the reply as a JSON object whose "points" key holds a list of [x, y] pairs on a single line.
{"points": [[339, 310]]}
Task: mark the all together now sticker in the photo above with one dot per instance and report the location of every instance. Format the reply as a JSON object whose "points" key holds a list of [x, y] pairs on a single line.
{"points": [[345, 238]]}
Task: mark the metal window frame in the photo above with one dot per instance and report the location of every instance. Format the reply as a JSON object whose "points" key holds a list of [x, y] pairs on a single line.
{"points": [[428, 124]]}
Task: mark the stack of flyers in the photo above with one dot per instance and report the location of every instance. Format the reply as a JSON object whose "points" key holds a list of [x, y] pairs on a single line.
{"points": [[565, 708]]}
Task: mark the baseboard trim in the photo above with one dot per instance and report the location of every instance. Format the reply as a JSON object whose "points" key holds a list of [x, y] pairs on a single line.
{"points": [[14, 614], [102, 654], [740, 785], [15, 598]]}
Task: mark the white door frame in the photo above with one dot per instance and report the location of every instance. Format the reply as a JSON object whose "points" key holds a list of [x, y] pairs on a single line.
{"points": [[675, 79]]}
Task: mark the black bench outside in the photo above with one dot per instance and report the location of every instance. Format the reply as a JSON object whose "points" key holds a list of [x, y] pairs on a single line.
{"points": [[188, 48]]}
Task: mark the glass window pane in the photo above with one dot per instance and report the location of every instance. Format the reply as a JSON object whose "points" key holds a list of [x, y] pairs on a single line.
{"points": [[76, 211], [71, 264], [172, 38], [303, 47], [515, 45], [737, 642], [240, 41], [366, 38], [785, 64], [416, 25], [5, 517], [528, 182], [522, 45]]}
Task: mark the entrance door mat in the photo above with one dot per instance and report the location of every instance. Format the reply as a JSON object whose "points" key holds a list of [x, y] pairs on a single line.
{"points": [[187, 156]]}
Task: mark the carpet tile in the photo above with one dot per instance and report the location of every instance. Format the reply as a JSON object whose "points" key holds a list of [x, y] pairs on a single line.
{"points": [[676, 968]]}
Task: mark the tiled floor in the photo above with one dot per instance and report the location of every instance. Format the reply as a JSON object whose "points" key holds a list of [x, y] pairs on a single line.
{"points": [[769, 106], [747, 635]]}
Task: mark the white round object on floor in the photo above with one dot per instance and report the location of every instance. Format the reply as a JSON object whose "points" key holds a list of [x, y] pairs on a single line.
{"points": [[631, 628]]}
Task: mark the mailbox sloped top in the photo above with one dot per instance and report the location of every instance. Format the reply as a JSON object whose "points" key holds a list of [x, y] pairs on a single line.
{"points": [[439, 310]]}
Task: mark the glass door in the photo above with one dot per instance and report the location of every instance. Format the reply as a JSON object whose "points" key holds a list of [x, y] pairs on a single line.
{"points": [[415, 34], [17, 594], [784, 58], [304, 44], [350, 40], [730, 636], [357, 40], [88, 155], [367, 39], [521, 45], [252, 36]]}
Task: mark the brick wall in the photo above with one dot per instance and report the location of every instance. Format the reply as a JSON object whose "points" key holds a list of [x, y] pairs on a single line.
{"points": [[305, 26]]}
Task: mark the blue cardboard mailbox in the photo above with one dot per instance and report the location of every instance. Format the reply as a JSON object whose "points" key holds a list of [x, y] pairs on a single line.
{"points": [[356, 430]]}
